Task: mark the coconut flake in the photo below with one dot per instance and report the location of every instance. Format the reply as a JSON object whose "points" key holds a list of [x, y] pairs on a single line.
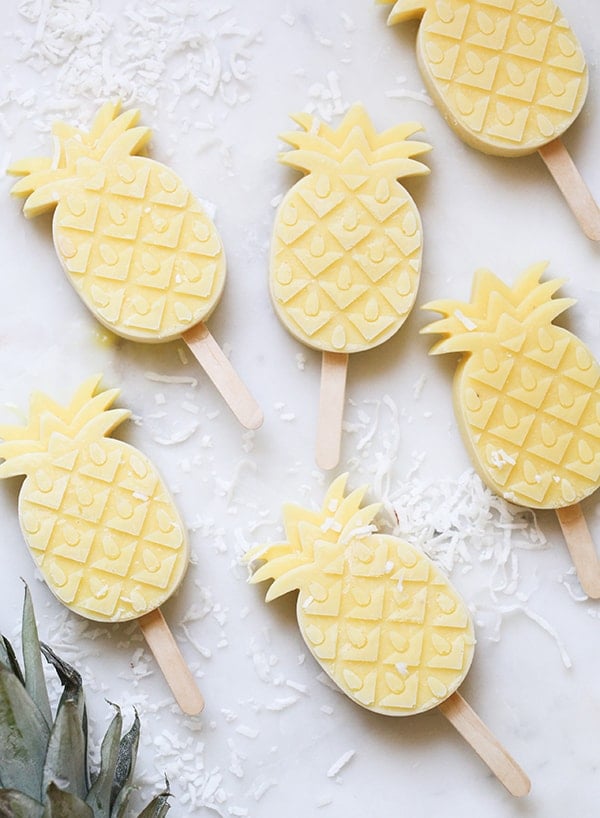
{"points": [[339, 765]]}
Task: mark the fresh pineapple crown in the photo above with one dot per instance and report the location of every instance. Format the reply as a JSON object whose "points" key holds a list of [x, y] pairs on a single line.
{"points": [[353, 145], [52, 425], [495, 307], [77, 154]]}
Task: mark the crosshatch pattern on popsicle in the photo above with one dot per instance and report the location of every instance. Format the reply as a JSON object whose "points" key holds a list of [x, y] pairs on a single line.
{"points": [[509, 73]]}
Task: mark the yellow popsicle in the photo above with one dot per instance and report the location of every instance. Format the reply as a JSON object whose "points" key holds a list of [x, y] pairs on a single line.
{"points": [[380, 617], [98, 519], [527, 400], [346, 248], [526, 392], [135, 243], [508, 75], [347, 241]]}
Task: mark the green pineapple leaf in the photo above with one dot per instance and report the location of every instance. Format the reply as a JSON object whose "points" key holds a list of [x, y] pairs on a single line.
{"points": [[63, 804], [44, 764], [11, 660], [23, 737], [15, 804], [4, 657], [158, 807], [35, 682], [99, 796], [66, 757], [121, 787]]}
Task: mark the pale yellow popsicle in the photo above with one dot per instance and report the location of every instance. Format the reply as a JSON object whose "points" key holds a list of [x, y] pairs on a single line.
{"points": [[527, 400], [379, 616], [98, 519], [346, 249], [510, 77], [137, 246]]}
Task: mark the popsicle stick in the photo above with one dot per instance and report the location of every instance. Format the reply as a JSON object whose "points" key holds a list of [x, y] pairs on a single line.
{"points": [[464, 719], [331, 408], [219, 369], [581, 547], [168, 656], [573, 188]]}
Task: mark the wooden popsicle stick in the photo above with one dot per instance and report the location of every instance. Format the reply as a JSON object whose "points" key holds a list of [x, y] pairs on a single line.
{"points": [[464, 719], [577, 194], [581, 547], [334, 367], [168, 656], [219, 369]]}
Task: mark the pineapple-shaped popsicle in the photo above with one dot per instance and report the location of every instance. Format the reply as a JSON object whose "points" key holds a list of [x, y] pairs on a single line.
{"points": [[99, 521], [136, 245], [347, 241], [509, 76], [526, 395], [380, 618]]}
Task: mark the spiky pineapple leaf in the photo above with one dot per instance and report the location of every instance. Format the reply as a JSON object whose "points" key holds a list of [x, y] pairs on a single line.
{"points": [[24, 737], [158, 807], [4, 659], [66, 758], [99, 796], [128, 747], [11, 660], [14, 804], [62, 804], [32, 660]]}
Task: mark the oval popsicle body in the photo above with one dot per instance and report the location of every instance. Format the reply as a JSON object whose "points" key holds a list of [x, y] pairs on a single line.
{"points": [[135, 243], [379, 617], [347, 243], [98, 519], [526, 393], [508, 75]]}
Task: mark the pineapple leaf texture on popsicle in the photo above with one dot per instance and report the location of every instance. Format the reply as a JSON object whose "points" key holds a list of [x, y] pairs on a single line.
{"points": [[347, 242], [526, 392], [381, 619], [509, 75], [136, 245], [98, 519]]}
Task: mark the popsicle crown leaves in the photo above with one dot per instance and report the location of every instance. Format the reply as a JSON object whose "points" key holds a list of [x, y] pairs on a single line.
{"points": [[312, 537], [354, 143], [496, 309], [53, 428], [408, 9], [77, 154]]}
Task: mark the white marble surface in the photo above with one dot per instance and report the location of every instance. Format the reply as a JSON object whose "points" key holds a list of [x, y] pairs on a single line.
{"points": [[477, 211]]}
